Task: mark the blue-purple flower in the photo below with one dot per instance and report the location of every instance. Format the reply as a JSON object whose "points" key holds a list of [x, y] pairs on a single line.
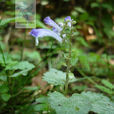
{"points": [[55, 32], [68, 18], [40, 33]]}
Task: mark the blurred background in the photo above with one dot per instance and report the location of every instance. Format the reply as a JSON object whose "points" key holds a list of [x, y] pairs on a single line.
{"points": [[93, 44]]}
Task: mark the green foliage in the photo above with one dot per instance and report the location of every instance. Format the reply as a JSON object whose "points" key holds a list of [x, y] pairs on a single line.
{"points": [[100, 103], [42, 104], [108, 84], [35, 56], [56, 77], [23, 68], [107, 88], [6, 21], [81, 103], [76, 104], [5, 97], [91, 61]]}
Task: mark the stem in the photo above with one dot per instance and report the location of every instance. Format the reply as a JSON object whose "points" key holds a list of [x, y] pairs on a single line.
{"points": [[3, 56], [22, 49], [68, 69]]}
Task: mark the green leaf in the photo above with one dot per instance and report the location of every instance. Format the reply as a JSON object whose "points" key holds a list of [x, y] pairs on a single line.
{"points": [[107, 84], [41, 107], [5, 97], [76, 104], [3, 78], [82, 41], [84, 62], [34, 56], [23, 67], [42, 104], [32, 88], [94, 5], [57, 77], [6, 21], [3, 88], [79, 88], [104, 89], [100, 103], [42, 100]]}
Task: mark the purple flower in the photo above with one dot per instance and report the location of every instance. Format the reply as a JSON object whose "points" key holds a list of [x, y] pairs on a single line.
{"points": [[68, 18], [55, 32], [40, 33], [51, 23]]}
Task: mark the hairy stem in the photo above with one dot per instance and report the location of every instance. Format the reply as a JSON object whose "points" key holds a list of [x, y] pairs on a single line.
{"points": [[68, 69]]}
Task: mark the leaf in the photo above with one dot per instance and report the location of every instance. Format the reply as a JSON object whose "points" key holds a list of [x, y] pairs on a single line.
{"points": [[23, 67], [5, 97], [84, 62], [3, 88], [42, 104], [108, 84], [79, 88], [34, 56], [41, 107], [104, 89], [82, 41], [75, 104], [31, 88], [3, 78], [6, 21], [57, 77], [94, 5], [100, 103], [42, 100]]}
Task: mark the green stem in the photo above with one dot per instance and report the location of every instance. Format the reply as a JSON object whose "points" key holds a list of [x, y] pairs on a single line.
{"points": [[4, 60], [68, 69], [22, 49], [2, 54]]}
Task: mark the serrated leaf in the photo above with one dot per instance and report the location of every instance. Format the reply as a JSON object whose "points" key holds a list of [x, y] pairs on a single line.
{"points": [[57, 77], [75, 104], [23, 67], [100, 103]]}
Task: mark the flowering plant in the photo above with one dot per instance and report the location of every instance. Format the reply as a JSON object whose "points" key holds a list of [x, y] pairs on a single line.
{"points": [[61, 32], [56, 31]]}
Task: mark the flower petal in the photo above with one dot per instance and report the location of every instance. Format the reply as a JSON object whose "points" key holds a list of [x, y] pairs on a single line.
{"points": [[50, 22], [68, 18], [40, 33]]}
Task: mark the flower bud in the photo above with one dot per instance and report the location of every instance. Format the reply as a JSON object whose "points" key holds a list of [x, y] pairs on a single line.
{"points": [[73, 22]]}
